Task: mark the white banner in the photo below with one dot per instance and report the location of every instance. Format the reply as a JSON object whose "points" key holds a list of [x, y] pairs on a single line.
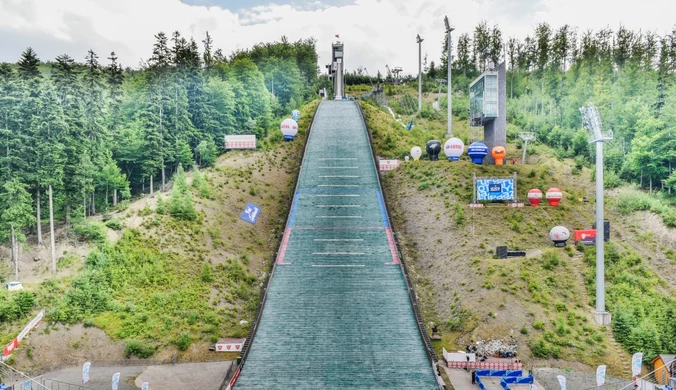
{"points": [[636, 363], [388, 165], [562, 381], [85, 372], [116, 380], [600, 376], [144, 386]]}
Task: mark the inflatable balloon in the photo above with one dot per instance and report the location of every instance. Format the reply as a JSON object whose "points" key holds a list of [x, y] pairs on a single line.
{"points": [[454, 148], [416, 152], [289, 129], [433, 148], [477, 151], [499, 154]]}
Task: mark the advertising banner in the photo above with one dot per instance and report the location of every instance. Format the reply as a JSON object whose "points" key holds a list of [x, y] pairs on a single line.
{"points": [[240, 141], [587, 237], [562, 381], [636, 363], [250, 213], [85, 372], [600, 376], [388, 165], [116, 380], [495, 189]]}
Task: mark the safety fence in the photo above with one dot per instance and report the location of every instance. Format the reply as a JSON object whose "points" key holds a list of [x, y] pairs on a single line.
{"points": [[507, 377], [485, 365]]}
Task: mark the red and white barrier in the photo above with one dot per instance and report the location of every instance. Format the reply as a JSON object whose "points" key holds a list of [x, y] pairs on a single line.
{"points": [[15, 343], [388, 165], [240, 141]]}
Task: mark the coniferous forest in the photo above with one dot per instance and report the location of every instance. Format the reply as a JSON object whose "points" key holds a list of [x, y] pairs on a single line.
{"points": [[80, 137]]}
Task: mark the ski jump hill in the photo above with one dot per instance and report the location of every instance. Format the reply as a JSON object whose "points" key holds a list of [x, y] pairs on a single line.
{"points": [[338, 312]]}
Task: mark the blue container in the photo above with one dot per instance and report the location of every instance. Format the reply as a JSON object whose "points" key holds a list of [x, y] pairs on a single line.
{"points": [[288, 138], [477, 151]]}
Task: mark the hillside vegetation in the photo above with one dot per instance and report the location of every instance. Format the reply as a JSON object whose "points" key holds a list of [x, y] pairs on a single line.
{"points": [[178, 271], [545, 300]]}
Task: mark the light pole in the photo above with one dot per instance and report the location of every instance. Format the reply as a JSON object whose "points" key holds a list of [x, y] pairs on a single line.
{"points": [[592, 122], [419, 40], [449, 29]]}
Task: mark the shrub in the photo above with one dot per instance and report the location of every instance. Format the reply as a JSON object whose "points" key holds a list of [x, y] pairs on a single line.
{"points": [[539, 325], [524, 330], [459, 214], [138, 349], [91, 231], [181, 204], [183, 341], [161, 208], [540, 349], [549, 260], [115, 224], [207, 275]]}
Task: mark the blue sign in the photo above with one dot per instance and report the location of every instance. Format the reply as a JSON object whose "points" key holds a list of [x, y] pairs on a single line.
{"points": [[495, 189], [251, 213]]}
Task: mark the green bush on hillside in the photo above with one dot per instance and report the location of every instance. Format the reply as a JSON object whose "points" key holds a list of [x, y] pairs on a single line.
{"points": [[91, 231]]}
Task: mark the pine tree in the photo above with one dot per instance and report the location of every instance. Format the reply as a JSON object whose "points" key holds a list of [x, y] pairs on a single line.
{"points": [[9, 120], [17, 214], [51, 127]]}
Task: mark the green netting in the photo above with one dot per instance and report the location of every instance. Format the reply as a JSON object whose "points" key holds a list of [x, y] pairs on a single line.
{"points": [[337, 315]]}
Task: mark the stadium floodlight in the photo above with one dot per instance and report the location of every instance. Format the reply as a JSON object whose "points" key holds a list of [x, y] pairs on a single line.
{"points": [[526, 137], [449, 29], [419, 40], [592, 122]]}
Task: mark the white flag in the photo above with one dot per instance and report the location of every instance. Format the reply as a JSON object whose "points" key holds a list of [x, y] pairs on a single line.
{"points": [[562, 381], [85, 372], [144, 386], [636, 363], [600, 376], [116, 380]]}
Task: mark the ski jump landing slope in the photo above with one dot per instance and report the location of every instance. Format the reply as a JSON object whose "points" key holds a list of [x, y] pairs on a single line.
{"points": [[337, 313]]}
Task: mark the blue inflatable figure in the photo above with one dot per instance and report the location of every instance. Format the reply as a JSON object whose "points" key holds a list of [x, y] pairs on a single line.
{"points": [[410, 125]]}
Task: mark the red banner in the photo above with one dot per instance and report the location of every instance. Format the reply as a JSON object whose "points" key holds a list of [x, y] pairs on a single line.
{"points": [[10, 347], [586, 236]]}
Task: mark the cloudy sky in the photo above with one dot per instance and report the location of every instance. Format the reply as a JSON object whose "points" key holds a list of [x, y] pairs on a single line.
{"points": [[375, 32]]}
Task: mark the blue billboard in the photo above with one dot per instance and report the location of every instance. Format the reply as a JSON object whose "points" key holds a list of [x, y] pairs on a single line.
{"points": [[251, 213], [495, 189]]}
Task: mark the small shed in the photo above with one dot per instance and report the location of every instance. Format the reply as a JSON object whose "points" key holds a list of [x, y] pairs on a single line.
{"points": [[664, 367]]}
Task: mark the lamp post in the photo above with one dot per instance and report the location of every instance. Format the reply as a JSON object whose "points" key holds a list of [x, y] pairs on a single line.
{"points": [[592, 122], [449, 29], [419, 40]]}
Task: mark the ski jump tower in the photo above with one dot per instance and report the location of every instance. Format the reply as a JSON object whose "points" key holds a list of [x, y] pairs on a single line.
{"points": [[488, 107], [336, 70]]}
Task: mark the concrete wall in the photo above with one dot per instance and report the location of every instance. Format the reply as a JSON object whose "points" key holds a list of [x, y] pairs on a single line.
{"points": [[495, 131]]}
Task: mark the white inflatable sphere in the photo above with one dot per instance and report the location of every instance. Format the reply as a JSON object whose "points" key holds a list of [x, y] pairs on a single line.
{"points": [[559, 234], [454, 148], [416, 152], [289, 128]]}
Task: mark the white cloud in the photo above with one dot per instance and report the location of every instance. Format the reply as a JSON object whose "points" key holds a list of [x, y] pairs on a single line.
{"points": [[375, 32]]}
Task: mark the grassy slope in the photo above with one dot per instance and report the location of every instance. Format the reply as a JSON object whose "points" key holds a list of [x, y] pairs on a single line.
{"points": [[164, 278], [543, 301]]}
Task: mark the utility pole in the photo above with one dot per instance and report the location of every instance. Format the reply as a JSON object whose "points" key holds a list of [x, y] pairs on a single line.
{"points": [[419, 72], [592, 122], [449, 29]]}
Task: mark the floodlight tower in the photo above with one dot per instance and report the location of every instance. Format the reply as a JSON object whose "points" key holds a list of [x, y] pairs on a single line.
{"points": [[592, 122], [419, 40], [449, 29], [526, 137]]}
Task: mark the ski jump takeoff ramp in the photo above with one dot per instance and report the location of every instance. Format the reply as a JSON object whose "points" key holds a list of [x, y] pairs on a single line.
{"points": [[337, 313]]}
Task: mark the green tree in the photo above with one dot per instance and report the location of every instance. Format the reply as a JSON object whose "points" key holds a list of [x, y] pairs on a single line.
{"points": [[16, 215]]}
